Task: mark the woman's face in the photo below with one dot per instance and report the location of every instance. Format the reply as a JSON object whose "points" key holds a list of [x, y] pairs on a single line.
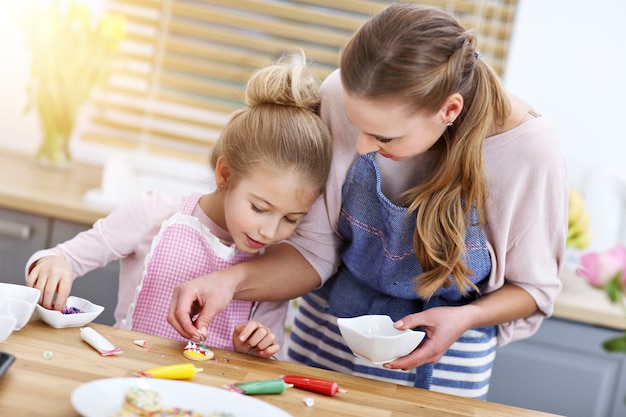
{"points": [[391, 130]]}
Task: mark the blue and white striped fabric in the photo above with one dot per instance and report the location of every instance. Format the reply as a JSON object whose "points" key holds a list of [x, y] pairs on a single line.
{"points": [[464, 370]]}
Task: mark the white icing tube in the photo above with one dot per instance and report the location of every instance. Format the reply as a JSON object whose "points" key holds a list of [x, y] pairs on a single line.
{"points": [[98, 342]]}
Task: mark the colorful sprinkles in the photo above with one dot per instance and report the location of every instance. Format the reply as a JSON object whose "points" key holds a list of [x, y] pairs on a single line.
{"points": [[72, 310]]}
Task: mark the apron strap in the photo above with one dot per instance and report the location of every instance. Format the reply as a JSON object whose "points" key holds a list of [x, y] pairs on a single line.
{"points": [[190, 203]]}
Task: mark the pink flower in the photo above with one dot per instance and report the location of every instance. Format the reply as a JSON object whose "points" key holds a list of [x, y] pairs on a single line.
{"points": [[599, 268], [607, 270]]}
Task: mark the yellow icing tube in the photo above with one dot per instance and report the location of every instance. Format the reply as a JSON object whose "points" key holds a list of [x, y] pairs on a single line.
{"points": [[179, 371]]}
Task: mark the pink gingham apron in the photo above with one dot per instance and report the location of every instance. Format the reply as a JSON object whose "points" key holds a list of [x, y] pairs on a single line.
{"points": [[182, 250]]}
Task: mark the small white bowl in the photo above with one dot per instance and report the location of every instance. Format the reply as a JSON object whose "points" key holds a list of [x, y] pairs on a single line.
{"points": [[373, 338], [21, 292], [7, 324], [20, 309], [27, 294], [59, 320]]}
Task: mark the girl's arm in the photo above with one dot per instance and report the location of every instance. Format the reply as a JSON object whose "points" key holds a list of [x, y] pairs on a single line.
{"points": [[116, 236]]}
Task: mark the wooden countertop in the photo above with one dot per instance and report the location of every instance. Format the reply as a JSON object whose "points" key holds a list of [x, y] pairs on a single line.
{"points": [[28, 187], [35, 386]]}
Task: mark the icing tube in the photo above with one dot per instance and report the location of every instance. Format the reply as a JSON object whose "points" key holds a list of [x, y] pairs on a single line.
{"points": [[270, 386], [98, 342], [321, 386], [179, 371]]}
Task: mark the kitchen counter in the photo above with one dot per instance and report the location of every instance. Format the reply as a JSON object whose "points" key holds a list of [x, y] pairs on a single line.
{"points": [[28, 187], [58, 193]]}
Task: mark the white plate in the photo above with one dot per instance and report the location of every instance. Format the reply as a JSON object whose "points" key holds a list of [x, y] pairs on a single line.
{"points": [[103, 397]]}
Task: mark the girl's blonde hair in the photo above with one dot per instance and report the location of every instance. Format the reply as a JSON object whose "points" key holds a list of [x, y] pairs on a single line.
{"points": [[281, 127], [420, 55]]}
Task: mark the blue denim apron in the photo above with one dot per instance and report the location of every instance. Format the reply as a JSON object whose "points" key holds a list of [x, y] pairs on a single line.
{"points": [[377, 272]]}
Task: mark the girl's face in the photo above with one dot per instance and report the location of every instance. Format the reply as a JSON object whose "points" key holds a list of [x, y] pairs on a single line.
{"points": [[390, 130], [265, 207]]}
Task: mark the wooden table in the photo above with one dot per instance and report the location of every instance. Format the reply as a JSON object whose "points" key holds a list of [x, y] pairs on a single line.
{"points": [[35, 386]]}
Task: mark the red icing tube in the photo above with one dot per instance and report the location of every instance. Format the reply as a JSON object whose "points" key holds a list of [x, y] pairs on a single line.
{"points": [[321, 386]]}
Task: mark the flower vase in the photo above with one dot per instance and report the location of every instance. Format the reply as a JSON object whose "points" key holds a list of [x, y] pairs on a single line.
{"points": [[72, 52], [57, 120], [54, 150]]}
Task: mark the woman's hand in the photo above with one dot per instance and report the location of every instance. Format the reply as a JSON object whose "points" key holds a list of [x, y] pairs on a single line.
{"points": [[52, 275], [255, 339], [443, 326]]}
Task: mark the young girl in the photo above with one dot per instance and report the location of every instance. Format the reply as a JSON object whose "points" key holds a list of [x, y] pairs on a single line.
{"points": [[271, 162]]}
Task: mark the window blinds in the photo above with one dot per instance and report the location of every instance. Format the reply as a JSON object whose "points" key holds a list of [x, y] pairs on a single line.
{"points": [[183, 65]]}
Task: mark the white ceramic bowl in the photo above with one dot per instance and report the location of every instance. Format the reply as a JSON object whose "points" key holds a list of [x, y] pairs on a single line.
{"points": [[59, 320], [24, 293], [373, 337], [7, 324], [20, 309]]}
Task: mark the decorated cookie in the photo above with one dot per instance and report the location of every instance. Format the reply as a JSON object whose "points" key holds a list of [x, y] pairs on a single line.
{"points": [[140, 402], [143, 402], [197, 352]]}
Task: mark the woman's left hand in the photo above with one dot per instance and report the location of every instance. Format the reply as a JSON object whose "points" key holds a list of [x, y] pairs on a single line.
{"points": [[443, 326]]}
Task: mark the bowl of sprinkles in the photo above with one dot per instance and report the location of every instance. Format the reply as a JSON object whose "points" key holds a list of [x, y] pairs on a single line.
{"points": [[77, 312]]}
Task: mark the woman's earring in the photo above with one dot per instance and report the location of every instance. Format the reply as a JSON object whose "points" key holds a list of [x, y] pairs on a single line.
{"points": [[449, 124], [222, 186]]}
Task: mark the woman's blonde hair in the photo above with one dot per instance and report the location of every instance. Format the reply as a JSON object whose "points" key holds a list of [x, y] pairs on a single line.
{"points": [[420, 55], [281, 127]]}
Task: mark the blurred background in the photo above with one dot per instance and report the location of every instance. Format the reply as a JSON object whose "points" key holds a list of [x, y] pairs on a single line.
{"points": [[182, 66]]}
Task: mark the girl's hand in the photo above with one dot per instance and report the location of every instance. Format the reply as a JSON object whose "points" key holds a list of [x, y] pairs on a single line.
{"points": [[52, 275], [200, 299], [255, 339]]}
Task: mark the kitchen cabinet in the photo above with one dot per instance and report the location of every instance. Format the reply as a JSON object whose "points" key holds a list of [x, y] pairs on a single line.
{"points": [[562, 369], [22, 234]]}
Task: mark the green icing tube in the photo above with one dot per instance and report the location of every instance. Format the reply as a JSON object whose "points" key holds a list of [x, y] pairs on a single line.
{"points": [[270, 386]]}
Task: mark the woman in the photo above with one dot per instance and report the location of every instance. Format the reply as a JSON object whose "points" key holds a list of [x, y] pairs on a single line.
{"points": [[448, 198]]}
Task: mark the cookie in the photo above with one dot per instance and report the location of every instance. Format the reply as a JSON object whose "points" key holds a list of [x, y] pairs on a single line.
{"points": [[143, 402], [196, 352]]}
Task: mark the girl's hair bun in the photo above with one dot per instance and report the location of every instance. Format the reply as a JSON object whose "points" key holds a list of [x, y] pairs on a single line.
{"points": [[287, 83]]}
